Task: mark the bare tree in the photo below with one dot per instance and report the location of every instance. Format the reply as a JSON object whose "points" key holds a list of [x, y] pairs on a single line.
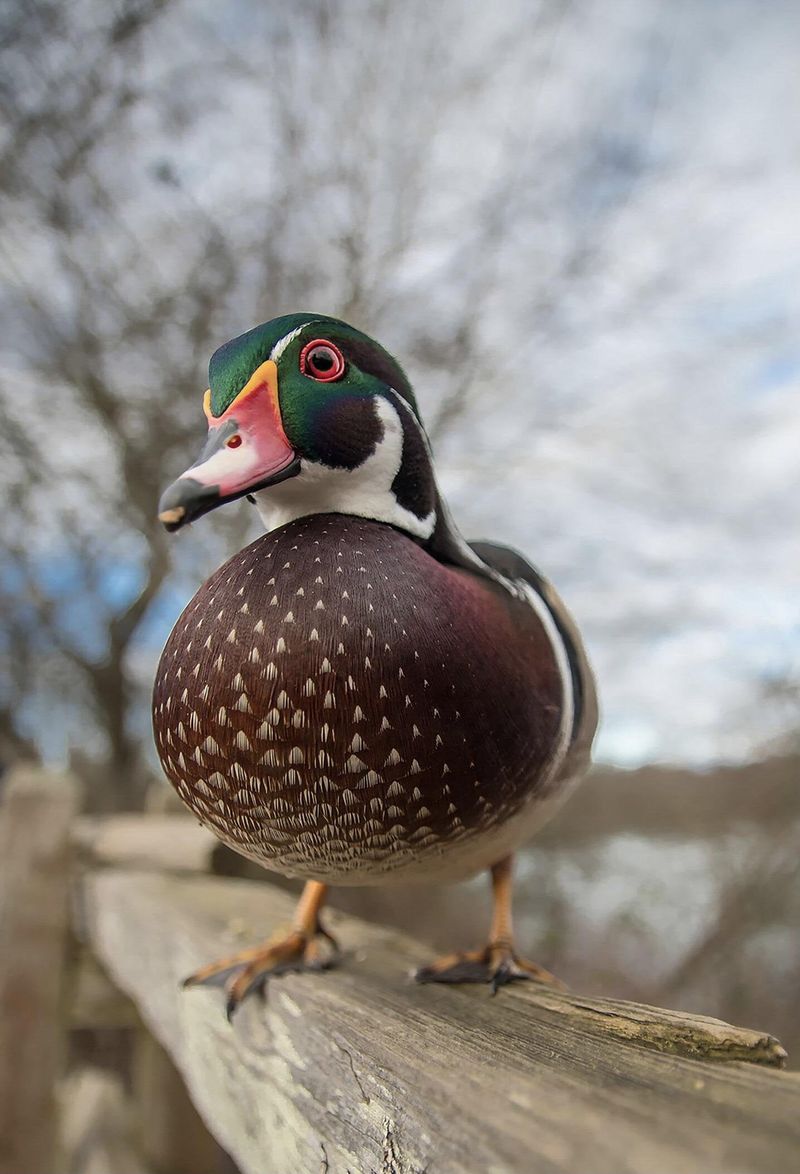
{"points": [[96, 391], [477, 189], [121, 281]]}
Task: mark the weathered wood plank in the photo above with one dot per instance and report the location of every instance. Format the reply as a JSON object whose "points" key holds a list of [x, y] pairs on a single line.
{"points": [[97, 1134], [679, 1033], [171, 1135], [362, 1070], [174, 843], [35, 818], [93, 1002]]}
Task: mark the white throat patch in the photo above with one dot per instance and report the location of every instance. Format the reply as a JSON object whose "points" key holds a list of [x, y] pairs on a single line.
{"points": [[365, 490]]}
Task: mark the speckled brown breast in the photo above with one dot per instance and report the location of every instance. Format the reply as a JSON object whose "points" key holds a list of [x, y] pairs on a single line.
{"points": [[338, 705]]}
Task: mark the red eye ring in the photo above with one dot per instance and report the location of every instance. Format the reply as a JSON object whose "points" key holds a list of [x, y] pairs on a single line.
{"points": [[325, 366]]}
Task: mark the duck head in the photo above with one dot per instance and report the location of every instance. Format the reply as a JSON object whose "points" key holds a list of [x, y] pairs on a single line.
{"points": [[308, 415]]}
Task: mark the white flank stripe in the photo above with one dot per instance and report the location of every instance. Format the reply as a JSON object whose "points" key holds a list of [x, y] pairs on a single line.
{"points": [[562, 660]]}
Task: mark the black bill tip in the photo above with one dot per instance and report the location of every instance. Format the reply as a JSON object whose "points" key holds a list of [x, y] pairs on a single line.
{"points": [[185, 500]]}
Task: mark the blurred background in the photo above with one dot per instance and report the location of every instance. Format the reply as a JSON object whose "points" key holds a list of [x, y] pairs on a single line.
{"points": [[576, 223]]}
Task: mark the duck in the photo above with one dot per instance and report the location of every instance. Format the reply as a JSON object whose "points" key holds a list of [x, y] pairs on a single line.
{"points": [[359, 696]]}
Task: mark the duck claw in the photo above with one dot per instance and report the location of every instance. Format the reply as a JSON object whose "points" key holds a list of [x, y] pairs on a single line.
{"points": [[248, 972], [495, 964]]}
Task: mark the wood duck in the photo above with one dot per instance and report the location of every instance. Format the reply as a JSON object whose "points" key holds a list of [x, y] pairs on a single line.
{"points": [[359, 697]]}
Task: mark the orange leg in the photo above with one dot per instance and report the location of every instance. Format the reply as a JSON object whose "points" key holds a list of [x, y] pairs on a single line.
{"points": [[496, 963], [306, 947]]}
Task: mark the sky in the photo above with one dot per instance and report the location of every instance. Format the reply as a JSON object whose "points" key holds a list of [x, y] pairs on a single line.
{"points": [[638, 435], [635, 421], [660, 487]]}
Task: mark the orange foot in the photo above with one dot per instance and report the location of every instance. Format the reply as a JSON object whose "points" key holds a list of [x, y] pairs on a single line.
{"points": [[245, 973], [496, 964]]}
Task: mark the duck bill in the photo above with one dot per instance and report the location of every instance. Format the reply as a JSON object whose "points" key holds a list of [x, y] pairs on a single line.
{"points": [[247, 449]]}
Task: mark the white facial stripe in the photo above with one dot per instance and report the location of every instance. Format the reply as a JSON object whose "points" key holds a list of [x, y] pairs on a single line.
{"points": [[282, 343], [405, 405], [365, 490]]}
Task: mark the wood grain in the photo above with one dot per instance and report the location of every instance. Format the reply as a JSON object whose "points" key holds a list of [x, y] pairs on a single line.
{"points": [[35, 819], [362, 1070]]}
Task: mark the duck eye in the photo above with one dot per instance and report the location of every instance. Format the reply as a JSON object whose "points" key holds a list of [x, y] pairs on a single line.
{"points": [[322, 360]]}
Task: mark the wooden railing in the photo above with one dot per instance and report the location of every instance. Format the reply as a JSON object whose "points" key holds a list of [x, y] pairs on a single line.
{"points": [[361, 1069]]}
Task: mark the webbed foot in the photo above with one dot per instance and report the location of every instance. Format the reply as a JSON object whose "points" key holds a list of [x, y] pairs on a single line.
{"points": [[306, 947], [248, 972], [496, 964]]}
